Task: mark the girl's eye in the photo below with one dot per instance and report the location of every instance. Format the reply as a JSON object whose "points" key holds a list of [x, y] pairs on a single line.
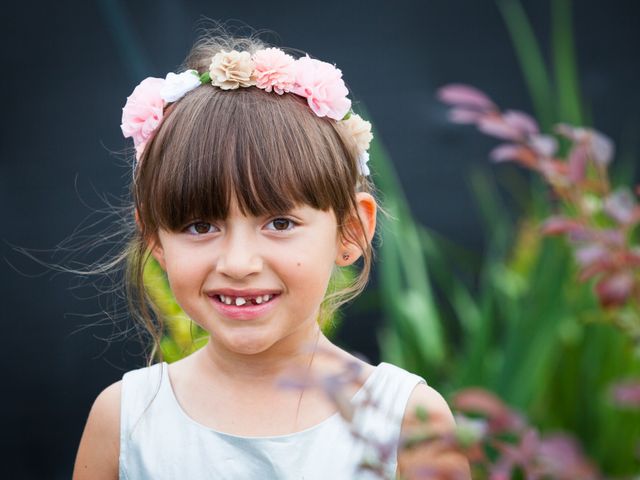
{"points": [[200, 228], [281, 224]]}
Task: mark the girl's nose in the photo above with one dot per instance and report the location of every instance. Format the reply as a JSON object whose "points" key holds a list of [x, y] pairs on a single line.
{"points": [[239, 257]]}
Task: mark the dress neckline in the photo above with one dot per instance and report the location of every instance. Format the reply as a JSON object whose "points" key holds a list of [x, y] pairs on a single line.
{"points": [[329, 420]]}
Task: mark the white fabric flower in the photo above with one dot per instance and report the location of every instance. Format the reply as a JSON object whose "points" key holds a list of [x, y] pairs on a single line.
{"points": [[363, 159], [177, 86]]}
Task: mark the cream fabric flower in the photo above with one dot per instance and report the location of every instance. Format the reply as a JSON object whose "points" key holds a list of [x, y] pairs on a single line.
{"points": [[230, 70], [360, 130]]}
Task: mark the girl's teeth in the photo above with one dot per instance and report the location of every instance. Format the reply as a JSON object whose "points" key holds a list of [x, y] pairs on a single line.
{"points": [[239, 301]]}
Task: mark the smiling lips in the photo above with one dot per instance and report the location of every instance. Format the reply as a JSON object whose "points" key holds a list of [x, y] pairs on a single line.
{"points": [[243, 304]]}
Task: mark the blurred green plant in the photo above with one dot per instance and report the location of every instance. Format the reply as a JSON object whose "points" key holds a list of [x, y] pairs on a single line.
{"points": [[524, 328], [182, 336], [528, 331]]}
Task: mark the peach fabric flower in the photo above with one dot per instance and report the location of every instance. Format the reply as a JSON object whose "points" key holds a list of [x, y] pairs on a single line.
{"points": [[322, 85], [274, 70], [142, 113], [230, 70], [360, 130]]}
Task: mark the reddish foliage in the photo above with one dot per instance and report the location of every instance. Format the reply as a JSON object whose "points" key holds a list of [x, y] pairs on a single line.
{"points": [[602, 249]]}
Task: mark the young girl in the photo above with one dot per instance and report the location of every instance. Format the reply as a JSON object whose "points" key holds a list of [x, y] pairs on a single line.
{"points": [[251, 190]]}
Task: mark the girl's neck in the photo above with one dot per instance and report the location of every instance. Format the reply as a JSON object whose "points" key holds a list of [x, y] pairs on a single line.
{"points": [[292, 354]]}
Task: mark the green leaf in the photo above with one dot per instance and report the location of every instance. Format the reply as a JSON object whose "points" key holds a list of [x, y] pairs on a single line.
{"points": [[531, 60], [565, 64], [205, 77]]}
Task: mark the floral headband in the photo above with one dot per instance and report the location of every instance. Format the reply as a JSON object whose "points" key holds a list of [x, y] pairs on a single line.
{"points": [[269, 69]]}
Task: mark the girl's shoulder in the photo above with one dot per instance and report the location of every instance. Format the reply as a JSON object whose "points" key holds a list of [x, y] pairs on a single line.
{"points": [[99, 448], [424, 397], [440, 420]]}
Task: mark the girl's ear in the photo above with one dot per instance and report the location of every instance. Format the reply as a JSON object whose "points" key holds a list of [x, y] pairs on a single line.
{"points": [[362, 229], [158, 253], [154, 245]]}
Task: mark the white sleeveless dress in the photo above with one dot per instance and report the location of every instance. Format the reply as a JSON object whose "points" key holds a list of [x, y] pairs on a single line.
{"points": [[163, 442]]}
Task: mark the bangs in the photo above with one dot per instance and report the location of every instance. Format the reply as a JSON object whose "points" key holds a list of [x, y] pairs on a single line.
{"points": [[267, 152]]}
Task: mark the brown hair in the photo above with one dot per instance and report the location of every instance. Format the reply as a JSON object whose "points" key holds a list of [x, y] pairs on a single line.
{"points": [[269, 152]]}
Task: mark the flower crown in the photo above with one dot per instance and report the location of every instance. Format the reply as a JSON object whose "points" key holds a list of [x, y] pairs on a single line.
{"points": [[269, 69]]}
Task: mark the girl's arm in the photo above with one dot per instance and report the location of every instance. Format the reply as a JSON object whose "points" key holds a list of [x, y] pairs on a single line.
{"points": [[447, 463], [99, 449]]}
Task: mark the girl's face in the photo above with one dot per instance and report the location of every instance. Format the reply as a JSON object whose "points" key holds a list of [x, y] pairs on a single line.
{"points": [[252, 281]]}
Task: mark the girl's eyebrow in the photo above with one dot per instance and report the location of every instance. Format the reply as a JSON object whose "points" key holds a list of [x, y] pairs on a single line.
{"points": [[284, 211], [295, 211]]}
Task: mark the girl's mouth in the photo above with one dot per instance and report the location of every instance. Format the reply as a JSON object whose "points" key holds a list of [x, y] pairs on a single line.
{"points": [[244, 308]]}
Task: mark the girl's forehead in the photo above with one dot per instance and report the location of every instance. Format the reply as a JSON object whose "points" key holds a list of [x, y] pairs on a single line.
{"points": [[234, 210]]}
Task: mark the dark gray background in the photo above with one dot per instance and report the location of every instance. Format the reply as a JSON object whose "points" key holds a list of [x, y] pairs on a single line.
{"points": [[68, 67]]}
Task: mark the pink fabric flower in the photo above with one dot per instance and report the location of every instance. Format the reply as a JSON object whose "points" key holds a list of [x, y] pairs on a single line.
{"points": [[142, 113], [274, 70], [322, 85], [139, 149]]}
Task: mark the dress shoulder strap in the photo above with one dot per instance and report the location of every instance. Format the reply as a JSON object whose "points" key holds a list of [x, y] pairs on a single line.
{"points": [[392, 390], [139, 388], [381, 411]]}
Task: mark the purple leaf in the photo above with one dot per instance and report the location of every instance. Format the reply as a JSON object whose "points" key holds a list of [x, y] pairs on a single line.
{"points": [[505, 152], [610, 237], [578, 163], [522, 455], [626, 394], [613, 237], [497, 127], [632, 257], [513, 152], [602, 148], [480, 401], [591, 254], [622, 207], [545, 145], [294, 383], [558, 225], [575, 134], [561, 457], [614, 290], [521, 121], [554, 171], [471, 429], [464, 115], [465, 96]]}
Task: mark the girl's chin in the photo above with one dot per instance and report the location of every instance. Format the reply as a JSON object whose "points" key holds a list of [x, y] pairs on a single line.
{"points": [[247, 344]]}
